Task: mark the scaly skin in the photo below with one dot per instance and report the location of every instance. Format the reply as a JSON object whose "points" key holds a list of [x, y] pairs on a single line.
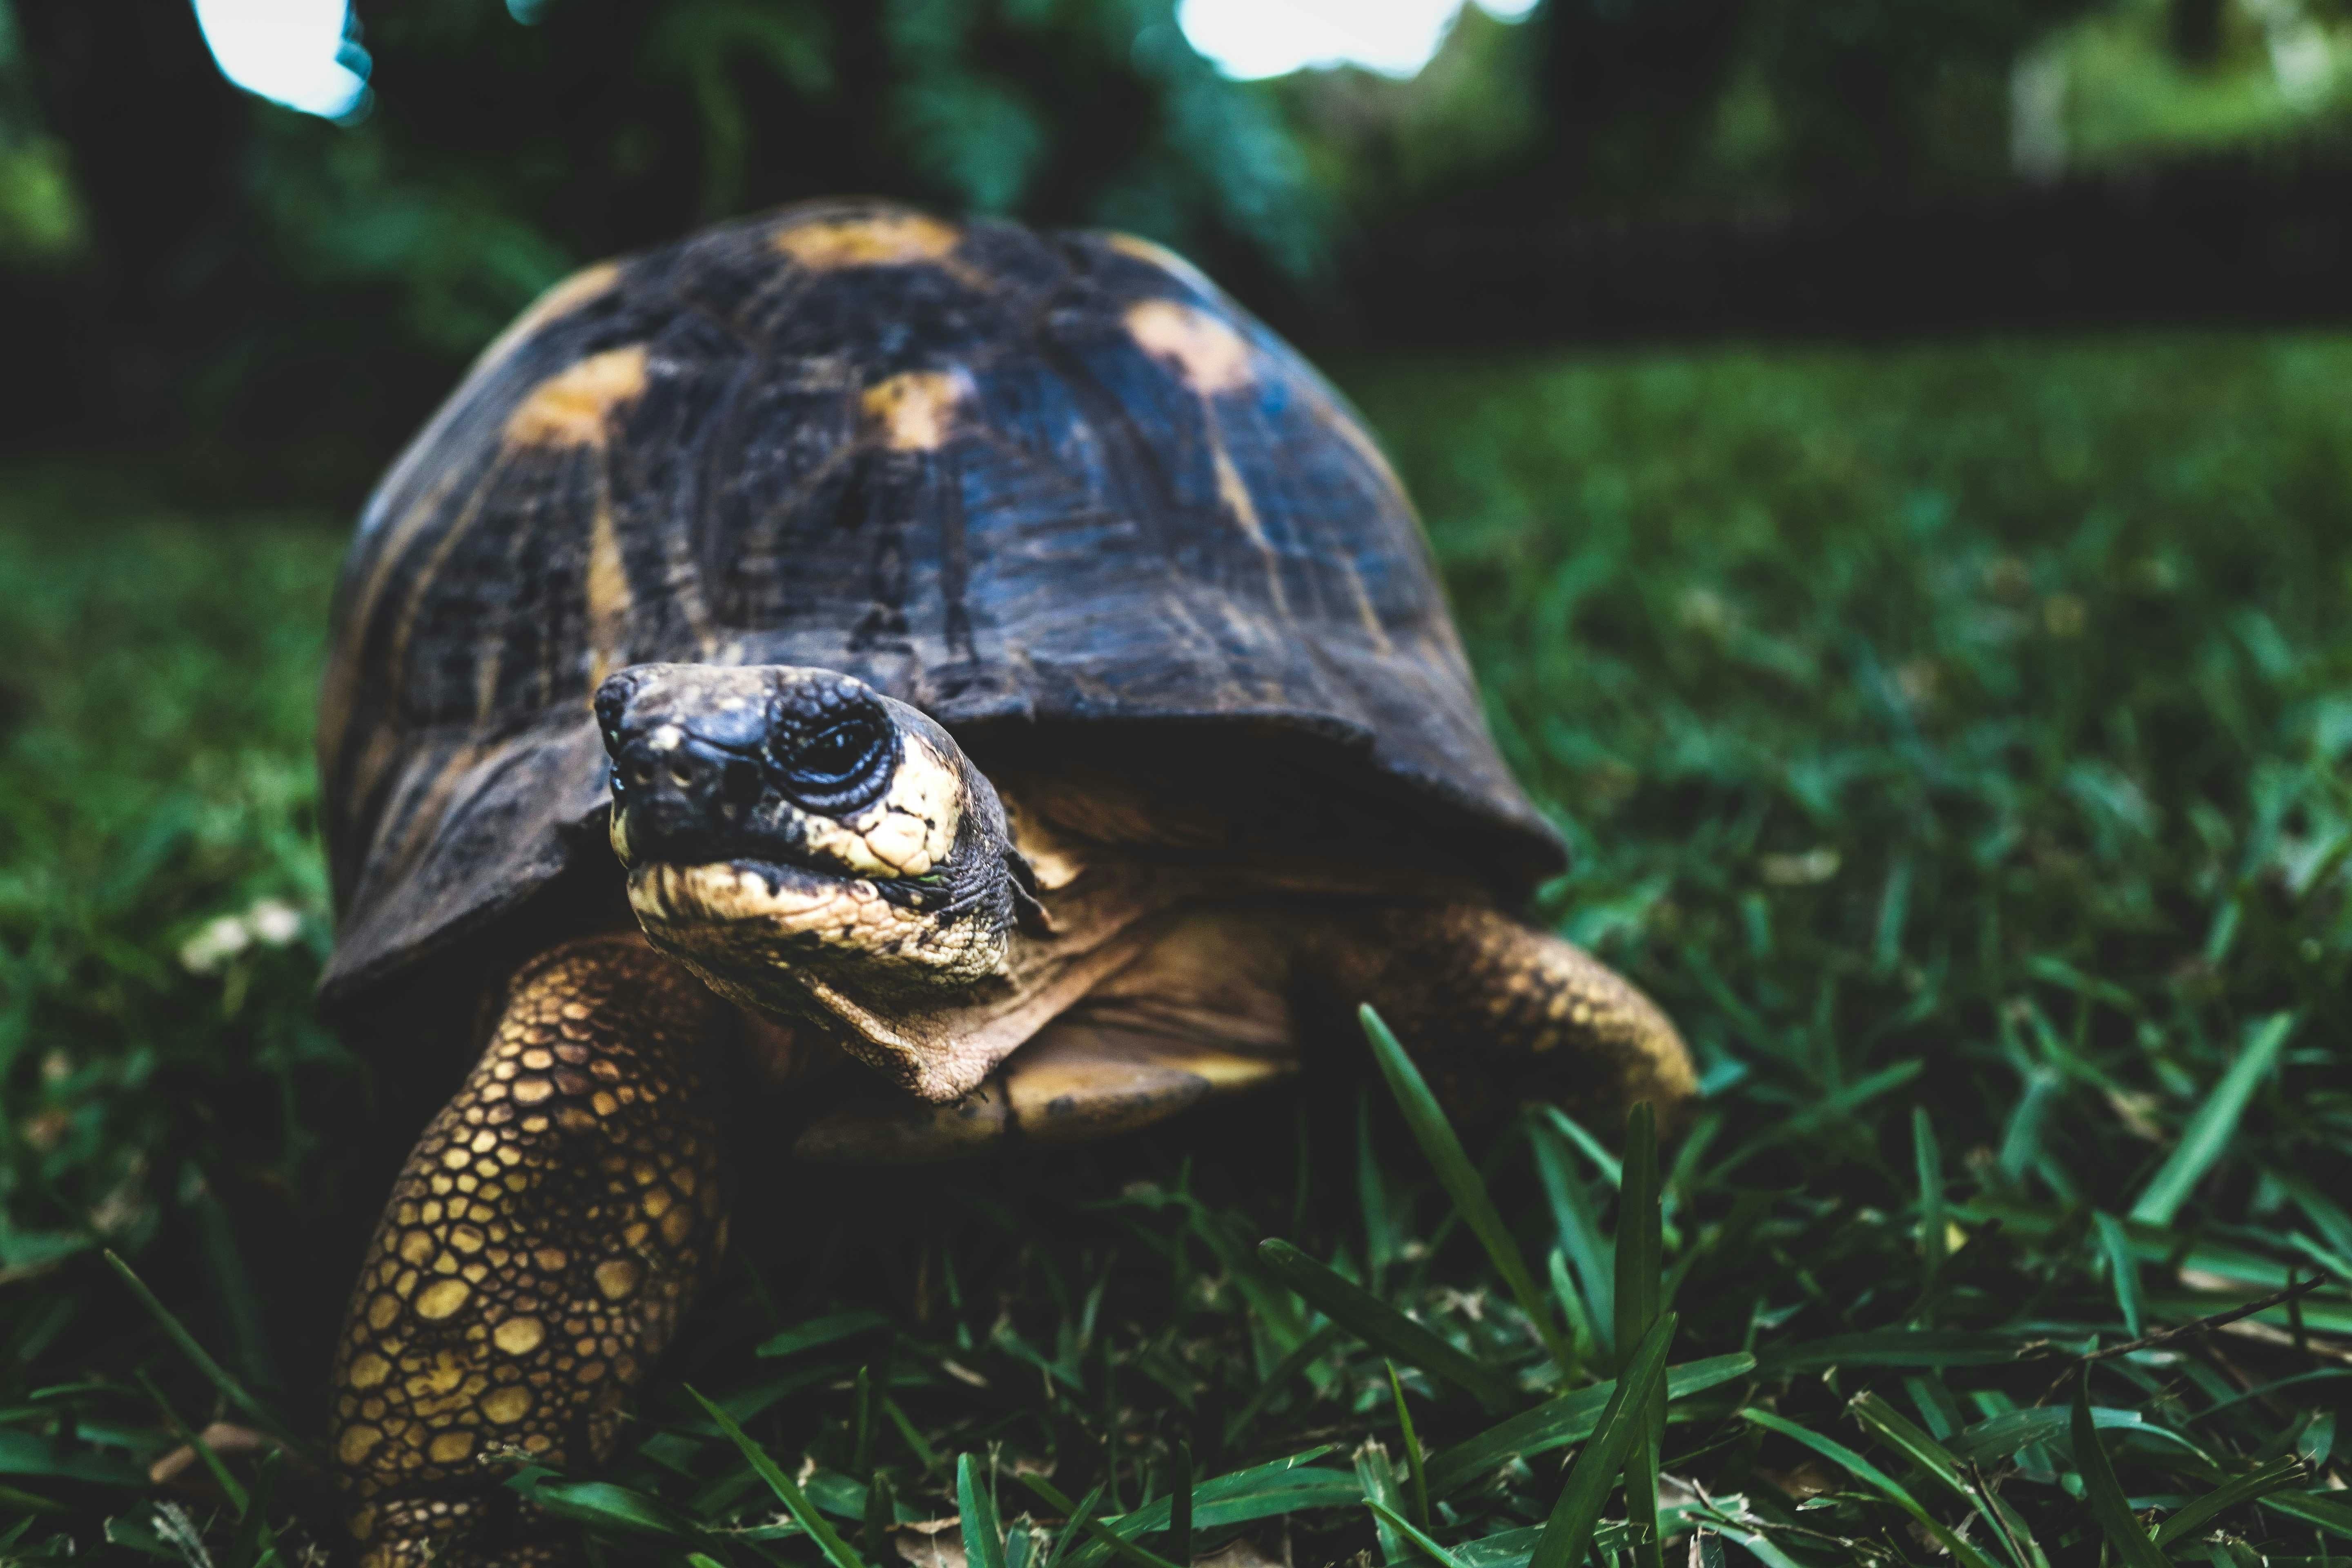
{"points": [[555, 1223], [1496, 1012], [550, 1229]]}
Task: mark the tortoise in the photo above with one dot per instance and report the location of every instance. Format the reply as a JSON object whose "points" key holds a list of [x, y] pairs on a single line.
{"points": [[846, 639]]}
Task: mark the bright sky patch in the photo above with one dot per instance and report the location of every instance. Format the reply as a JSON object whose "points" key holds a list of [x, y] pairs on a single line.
{"points": [[1252, 38], [290, 51]]}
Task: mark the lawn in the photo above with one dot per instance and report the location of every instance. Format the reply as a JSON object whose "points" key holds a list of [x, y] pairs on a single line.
{"points": [[1951, 738]]}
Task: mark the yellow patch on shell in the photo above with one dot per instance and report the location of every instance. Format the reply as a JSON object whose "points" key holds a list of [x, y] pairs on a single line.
{"points": [[915, 411], [885, 239], [1210, 355], [570, 408], [609, 597]]}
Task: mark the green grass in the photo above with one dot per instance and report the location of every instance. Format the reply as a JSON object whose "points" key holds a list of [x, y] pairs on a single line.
{"points": [[1952, 739]]}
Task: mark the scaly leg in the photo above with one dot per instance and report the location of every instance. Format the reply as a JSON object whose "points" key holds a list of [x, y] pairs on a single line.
{"points": [[1495, 1011], [549, 1230]]}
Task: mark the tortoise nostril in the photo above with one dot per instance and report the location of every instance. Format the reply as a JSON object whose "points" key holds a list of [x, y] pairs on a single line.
{"points": [[686, 798]]}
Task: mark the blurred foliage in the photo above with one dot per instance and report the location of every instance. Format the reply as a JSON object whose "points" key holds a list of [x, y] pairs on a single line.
{"points": [[1627, 108], [263, 274], [1620, 108], [501, 154], [154, 723], [1935, 679], [40, 219], [1748, 100], [282, 299], [1953, 740], [2151, 76]]}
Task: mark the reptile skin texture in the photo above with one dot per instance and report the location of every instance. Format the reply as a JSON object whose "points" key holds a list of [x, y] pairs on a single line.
{"points": [[1496, 1012], [547, 1234]]}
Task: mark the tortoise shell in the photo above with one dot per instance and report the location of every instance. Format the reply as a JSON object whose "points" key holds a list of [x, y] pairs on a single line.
{"points": [[1014, 478]]}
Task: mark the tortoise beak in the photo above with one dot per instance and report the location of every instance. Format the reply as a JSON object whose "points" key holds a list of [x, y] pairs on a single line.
{"points": [[687, 775], [681, 797]]}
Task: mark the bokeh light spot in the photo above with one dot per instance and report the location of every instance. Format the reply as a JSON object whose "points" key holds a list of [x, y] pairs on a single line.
{"points": [[294, 52], [1249, 39]]}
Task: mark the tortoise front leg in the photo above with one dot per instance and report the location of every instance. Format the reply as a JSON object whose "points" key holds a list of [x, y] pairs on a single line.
{"points": [[1496, 1011], [549, 1230]]}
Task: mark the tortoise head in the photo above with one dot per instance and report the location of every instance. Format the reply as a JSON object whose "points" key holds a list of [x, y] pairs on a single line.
{"points": [[809, 848]]}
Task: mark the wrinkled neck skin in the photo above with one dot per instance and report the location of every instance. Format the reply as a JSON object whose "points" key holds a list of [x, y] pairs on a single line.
{"points": [[879, 911]]}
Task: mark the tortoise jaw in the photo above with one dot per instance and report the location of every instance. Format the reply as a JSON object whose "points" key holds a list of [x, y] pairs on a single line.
{"points": [[850, 956], [763, 914]]}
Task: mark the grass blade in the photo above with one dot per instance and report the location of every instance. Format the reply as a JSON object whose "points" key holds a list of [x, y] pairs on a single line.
{"points": [[2104, 1493], [1376, 1479], [1640, 1262], [1582, 1336], [881, 1513], [1854, 1464], [828, 1539], [1071, 1513], [1893, 1428], [983, 1542], [198, 1447], [1083, 1520], [1998, 1436], [1928, 1156], [1371, 1194], [2215, 1124], [1567, 1533], [1414, 1534], [1460, 1179], [1876, 1347], [255, 1545], [2122, 1269], [1580, 1231], [1180, 1507], [231, 1389], [1415, 1469], [863, 1418], [609, 1506], [1378, 1324], [924, 1455], [2324, 1511], [1555, 1423], [819, 1331], [1263, 1492], [1310, 1350], [1611, 1169], [2284, 1471]]}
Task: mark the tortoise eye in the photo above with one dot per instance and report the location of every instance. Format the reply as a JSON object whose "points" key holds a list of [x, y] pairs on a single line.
{"points": [[837, 752], [841, 763]]}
